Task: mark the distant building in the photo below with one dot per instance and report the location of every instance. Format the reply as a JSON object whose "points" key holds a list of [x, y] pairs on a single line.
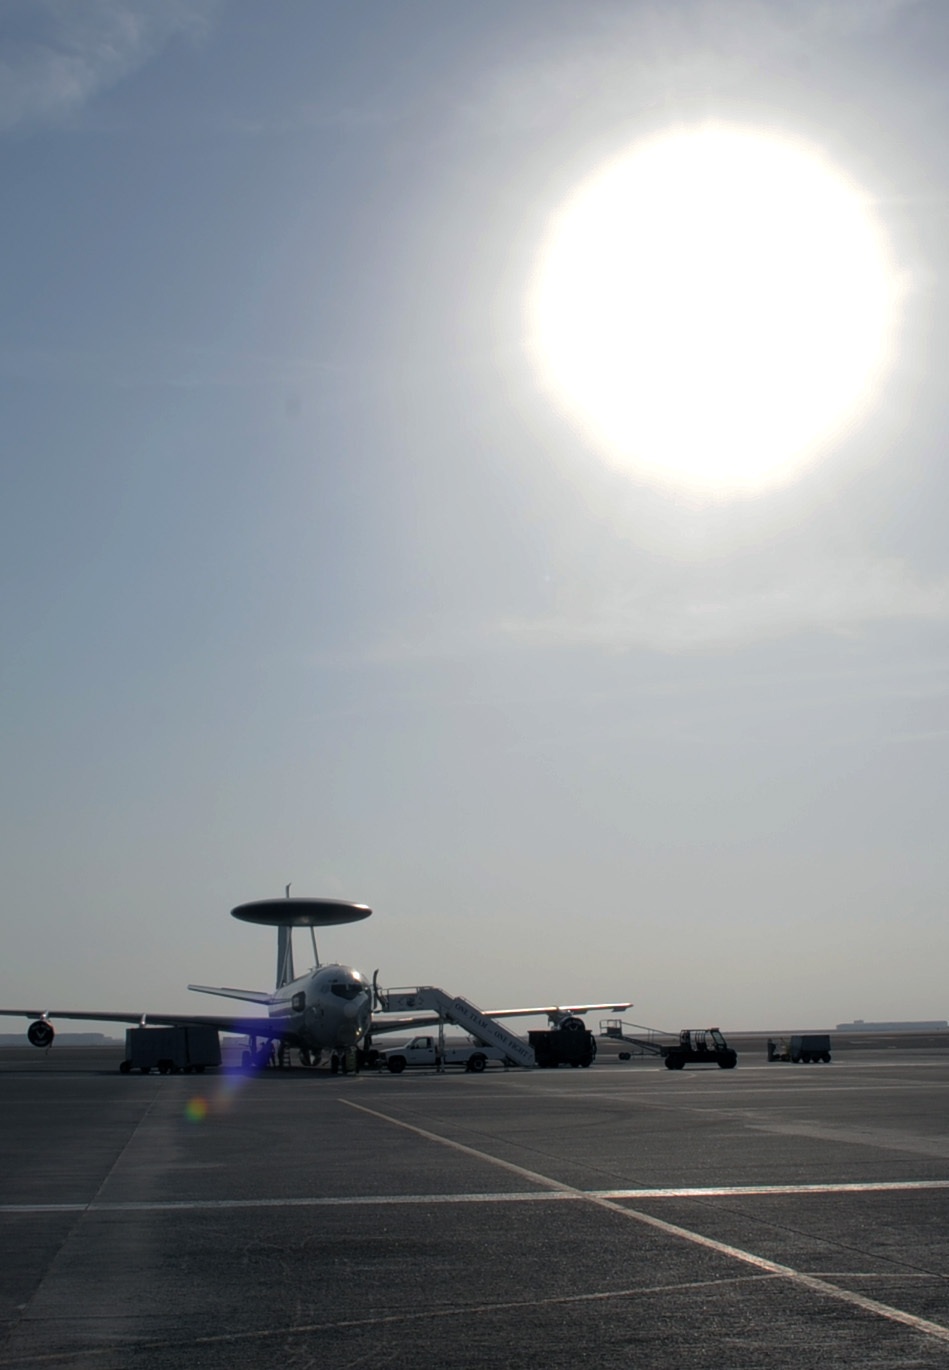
{"points": [[858, 1025]]}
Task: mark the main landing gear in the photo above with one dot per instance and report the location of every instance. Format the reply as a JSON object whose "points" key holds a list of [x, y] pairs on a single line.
{"points": [[344, 1062]]}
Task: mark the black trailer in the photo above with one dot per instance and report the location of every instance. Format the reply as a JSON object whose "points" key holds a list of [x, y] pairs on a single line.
{"points": [[170, 1050], [568, 1045], [806, 1046]]}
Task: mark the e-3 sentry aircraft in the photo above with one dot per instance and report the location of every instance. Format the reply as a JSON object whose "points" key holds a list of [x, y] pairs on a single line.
{"points": [[331, 1009]]}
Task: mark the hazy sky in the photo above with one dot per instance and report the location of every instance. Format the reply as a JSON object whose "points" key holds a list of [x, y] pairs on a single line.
{"points": [[306, 579]]}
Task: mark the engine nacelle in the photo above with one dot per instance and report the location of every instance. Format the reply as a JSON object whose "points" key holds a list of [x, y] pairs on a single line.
{"points": [[41, 1033]]}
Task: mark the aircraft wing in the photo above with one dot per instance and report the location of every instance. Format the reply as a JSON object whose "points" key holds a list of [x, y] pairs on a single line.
{"points": [[224, 1022], [393, 1023], [396, 1023], [552, 1010]]}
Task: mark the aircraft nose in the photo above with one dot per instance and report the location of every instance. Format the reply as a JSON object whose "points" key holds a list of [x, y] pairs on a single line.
{"points": [[356, 1018]]}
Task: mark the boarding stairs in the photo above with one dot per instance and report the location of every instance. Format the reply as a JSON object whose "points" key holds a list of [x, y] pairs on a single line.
{"points": [[463, 1014], [618, 1031]]}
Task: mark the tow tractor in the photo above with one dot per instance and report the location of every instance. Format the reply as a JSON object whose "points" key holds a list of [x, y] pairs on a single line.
{"points": [[701, 1046]]}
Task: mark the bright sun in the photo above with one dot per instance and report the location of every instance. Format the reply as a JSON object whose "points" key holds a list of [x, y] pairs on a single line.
{"points": [[714, 309]]}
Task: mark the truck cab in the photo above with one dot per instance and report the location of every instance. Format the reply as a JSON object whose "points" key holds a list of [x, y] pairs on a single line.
{"points": [[423, 1051]]}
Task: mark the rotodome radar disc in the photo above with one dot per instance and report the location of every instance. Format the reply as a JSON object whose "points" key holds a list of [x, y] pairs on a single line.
{"points": [[301, 913]]}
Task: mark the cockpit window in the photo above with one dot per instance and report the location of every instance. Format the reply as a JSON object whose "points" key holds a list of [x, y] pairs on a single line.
{"points": [[348, 990]]}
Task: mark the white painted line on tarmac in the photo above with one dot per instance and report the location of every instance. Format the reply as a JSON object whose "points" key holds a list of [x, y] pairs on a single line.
{"points": [[345, 1201], [378, 1320], [566, 1194], [739, 1190], [797, 1277]]}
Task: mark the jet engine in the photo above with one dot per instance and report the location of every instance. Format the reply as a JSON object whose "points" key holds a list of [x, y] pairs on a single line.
{"points": [[41, 1033]]}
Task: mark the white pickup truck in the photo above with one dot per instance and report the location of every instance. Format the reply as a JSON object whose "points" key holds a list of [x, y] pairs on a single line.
{"points": [[423, 1051]]}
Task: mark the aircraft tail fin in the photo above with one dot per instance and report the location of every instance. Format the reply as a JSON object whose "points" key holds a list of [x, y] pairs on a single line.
{"points": [[253, 996]]}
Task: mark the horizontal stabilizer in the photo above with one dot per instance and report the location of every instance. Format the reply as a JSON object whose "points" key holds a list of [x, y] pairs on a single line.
{"points": [[253, 996]]}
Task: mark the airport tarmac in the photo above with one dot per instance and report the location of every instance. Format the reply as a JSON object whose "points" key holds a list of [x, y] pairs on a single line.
{"points": [[771, 1216]]}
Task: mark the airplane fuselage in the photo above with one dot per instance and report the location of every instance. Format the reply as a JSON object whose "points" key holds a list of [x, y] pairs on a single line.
{"points": [[328, 1009]]}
